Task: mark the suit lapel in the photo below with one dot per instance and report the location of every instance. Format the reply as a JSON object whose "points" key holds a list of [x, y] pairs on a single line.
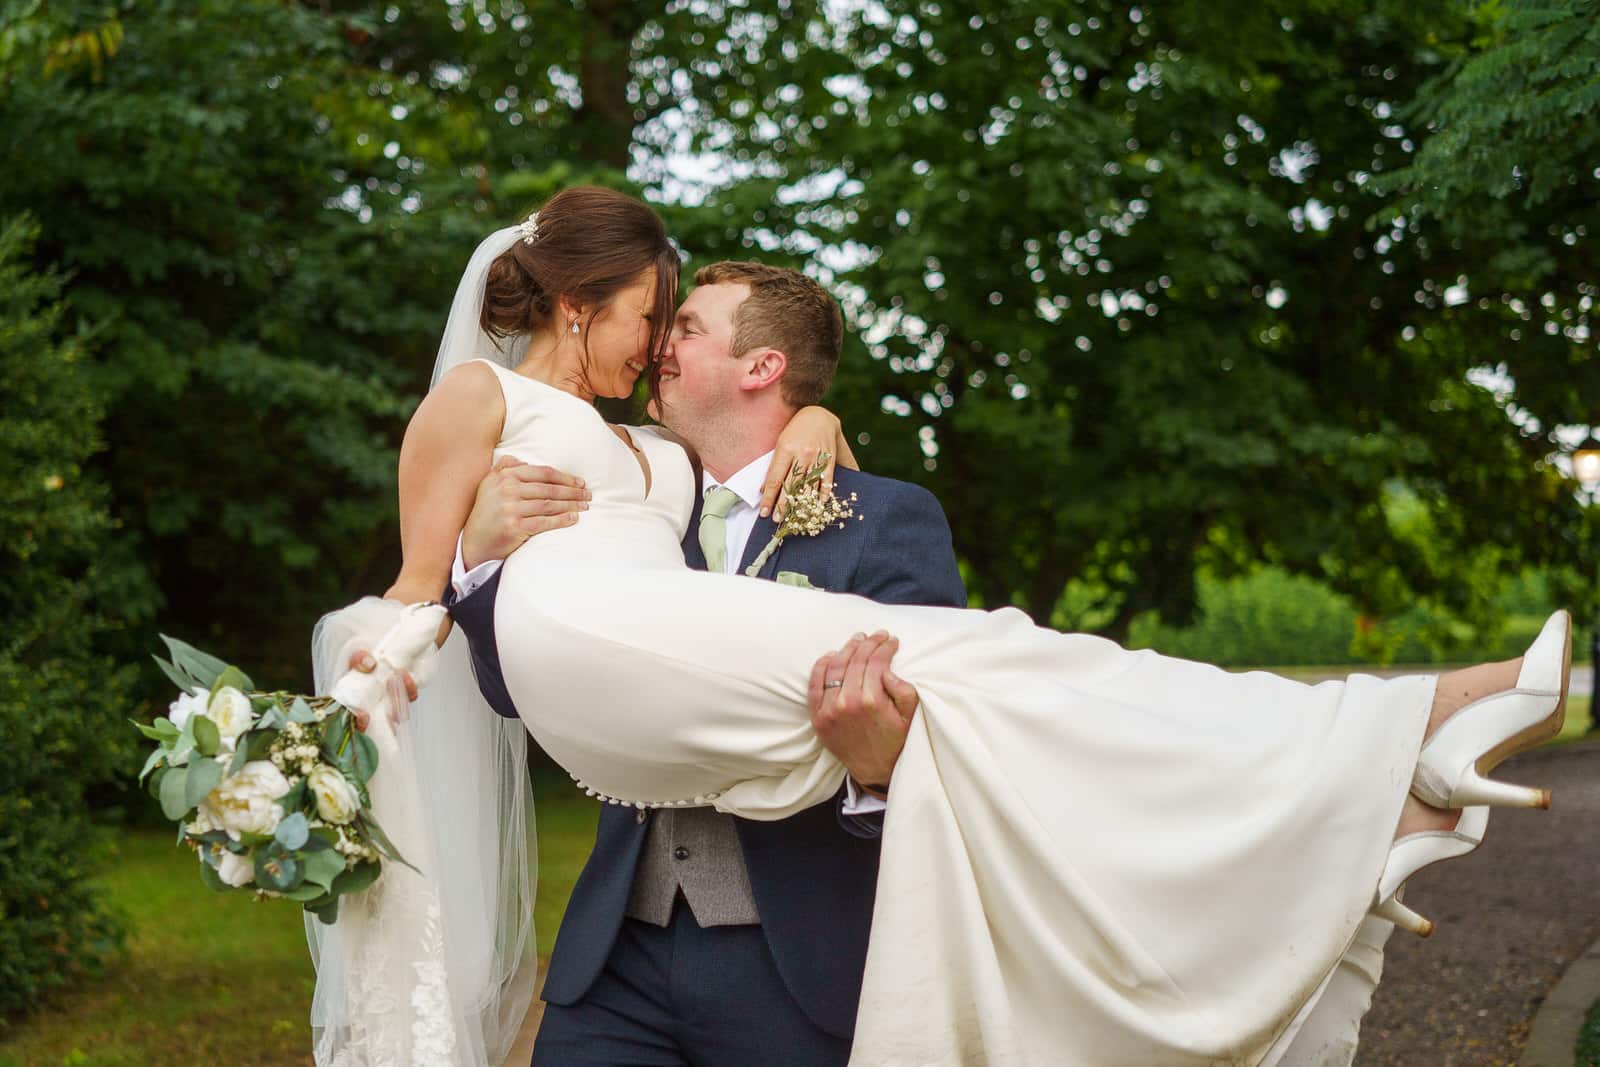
{"points": [[693, 554]]}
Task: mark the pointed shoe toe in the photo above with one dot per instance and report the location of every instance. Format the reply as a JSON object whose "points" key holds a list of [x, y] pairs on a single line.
{"points": [[1453, 764]]}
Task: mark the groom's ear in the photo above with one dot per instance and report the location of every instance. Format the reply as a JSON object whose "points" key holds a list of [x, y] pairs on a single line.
{"points": [[766, 369]]}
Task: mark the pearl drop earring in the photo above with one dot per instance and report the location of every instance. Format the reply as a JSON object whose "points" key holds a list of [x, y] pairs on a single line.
{"points": [[574, 325]]}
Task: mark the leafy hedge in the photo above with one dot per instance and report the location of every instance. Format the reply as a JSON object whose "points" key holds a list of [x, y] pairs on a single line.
{"points": [[1271, 618], [61, 702]]}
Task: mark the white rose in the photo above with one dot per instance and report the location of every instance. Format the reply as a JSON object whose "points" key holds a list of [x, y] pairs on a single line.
{"points": [[235, 870], [231, 711], [336, 797], [191, 703], [247, 802]]}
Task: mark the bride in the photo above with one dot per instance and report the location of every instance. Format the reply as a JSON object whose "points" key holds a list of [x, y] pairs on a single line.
{"points": [[1091, 855]]}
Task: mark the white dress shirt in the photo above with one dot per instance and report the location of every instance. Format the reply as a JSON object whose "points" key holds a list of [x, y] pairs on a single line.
{"points": [[746, 485]]}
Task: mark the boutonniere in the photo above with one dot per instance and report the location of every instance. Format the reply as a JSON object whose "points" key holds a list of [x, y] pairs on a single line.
{"points": [[809, 511]]}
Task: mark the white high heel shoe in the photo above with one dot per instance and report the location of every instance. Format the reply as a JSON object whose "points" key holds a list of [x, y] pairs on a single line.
{"points": [[1413, 852], [1453, 763]]}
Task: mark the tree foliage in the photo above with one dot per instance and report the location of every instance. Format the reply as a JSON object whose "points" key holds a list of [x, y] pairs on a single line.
{"points": [[1130, 286], [1117, 302], [61, 702]]}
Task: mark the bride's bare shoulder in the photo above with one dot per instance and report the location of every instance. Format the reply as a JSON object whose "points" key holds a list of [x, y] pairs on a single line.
{"points": [[476, 381], [469, 394]]}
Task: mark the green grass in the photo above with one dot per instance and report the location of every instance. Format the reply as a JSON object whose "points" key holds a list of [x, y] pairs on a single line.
{"points": [[214, 978], [1587, 1053], [1578, 721]]}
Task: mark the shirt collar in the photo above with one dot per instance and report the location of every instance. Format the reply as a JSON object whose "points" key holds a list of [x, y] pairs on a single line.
{"points": [[746, 483]]}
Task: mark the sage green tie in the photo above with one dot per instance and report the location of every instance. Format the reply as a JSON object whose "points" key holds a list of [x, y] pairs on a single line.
{"points": [[714, 527]]}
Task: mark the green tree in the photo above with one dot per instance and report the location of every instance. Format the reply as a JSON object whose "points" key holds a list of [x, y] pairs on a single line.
{"points": [[62, 704], [235, 197], [1116, 300]]}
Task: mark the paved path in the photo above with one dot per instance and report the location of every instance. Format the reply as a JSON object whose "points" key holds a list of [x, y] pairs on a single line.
{"points": [[1511, 916]]}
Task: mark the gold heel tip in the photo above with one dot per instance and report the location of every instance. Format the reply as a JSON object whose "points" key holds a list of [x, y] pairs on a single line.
{"points": [[1426, 928], [1544, 800]]}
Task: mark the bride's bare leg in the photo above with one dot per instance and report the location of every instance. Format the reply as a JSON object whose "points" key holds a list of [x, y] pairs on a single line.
{"points": [[1456, 690], [1417, 817]]}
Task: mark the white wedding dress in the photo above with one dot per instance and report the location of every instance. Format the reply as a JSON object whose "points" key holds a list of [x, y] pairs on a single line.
{"points": [[1091, 856]]}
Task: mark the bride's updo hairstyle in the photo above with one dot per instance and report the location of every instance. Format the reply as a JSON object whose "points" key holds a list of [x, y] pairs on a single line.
{"points": [[587, 244]]}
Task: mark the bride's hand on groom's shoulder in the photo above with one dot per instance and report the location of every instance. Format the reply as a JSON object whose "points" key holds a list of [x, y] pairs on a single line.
{"points": [[516, 501], [861, 710]]}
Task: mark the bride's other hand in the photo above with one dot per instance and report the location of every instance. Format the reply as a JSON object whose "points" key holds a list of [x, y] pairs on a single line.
{"points": [[363, 661], [861, 710], [516, 501], [812, 431]]}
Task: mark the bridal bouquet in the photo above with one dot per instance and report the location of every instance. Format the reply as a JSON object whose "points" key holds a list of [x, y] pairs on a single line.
{"points": [[269, 788]]}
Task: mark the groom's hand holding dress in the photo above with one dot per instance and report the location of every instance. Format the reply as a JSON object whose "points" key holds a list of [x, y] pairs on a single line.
{"points": [[862, 710]]}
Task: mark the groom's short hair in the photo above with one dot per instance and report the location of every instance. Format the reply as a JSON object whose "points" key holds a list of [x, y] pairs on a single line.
{"points": [[787, 311]]}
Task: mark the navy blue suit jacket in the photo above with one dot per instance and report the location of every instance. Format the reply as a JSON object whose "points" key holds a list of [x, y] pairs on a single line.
{"points": [[813, 875]]}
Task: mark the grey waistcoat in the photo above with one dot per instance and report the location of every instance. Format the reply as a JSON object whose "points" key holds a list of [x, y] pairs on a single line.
{"points": [[695, 850]]}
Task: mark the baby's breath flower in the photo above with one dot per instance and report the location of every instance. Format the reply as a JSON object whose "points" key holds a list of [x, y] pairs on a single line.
{"points": [[809, 510]]}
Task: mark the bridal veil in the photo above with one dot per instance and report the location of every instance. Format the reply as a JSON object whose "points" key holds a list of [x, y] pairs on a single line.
{"points": [[436, 965]]}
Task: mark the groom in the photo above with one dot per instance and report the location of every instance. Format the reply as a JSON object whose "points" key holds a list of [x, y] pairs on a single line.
{"points": [[693, 937]]}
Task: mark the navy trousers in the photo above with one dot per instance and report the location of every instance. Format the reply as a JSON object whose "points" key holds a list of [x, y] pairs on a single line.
{"points": [[686, 996]]}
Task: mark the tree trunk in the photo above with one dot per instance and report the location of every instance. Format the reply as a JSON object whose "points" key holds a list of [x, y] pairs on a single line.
{"points": [[606, 120]]}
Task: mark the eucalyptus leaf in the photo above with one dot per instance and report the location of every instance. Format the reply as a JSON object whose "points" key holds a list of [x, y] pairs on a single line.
{"points": [[153, 786], [155, 731], [381, 840], [212, 879], [322, 867], [301, 712], [260, 743], [364, 758], [207, 738], [292, 831], [204, 667], [334, 740], [276, 871], [241, 755], [306, 892], [183, 744], [294, 800], [150, 764], [273, 718], [202, 778], [175, 676], [232, 676], [354, 881], [174, 788], [328, 914]]}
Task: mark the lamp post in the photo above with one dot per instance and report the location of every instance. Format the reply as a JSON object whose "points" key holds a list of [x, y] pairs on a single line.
{"points": [[1586, 469]]}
